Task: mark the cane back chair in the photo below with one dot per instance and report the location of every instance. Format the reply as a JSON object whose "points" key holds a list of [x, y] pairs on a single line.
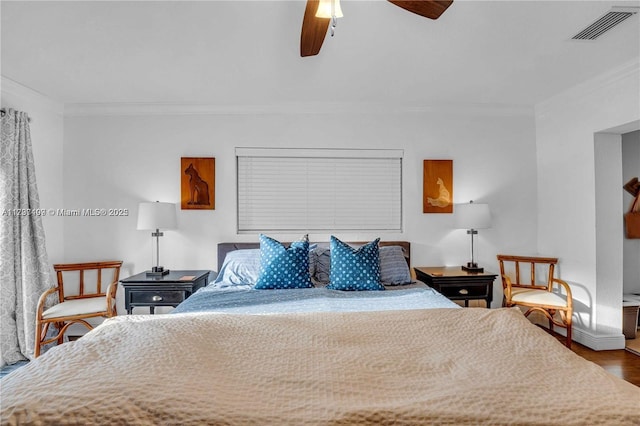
{"points": [[537, 293], [83, 297]]}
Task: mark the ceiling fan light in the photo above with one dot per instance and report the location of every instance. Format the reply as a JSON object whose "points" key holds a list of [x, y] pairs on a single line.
{"points": [[324, 9]]}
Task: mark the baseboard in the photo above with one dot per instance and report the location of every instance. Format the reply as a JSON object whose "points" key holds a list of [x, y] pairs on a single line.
{"points": [[595, 341]]}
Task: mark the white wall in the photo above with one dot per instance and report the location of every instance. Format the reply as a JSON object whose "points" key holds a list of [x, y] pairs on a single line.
{"points": [[47, 140], [566, 128], [609, 255], [118, 161], [631, 247]]}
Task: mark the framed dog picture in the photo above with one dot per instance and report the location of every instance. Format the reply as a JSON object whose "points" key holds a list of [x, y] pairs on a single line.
{"points": [[437, 186], [197, 183]]}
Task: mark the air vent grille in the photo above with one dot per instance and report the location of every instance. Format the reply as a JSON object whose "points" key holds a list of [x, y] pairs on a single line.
{"points": [[605, 23]]}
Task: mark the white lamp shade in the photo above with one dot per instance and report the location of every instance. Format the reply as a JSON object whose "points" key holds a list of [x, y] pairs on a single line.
{"points": [[157, 216], [472, 216], [324, 9]]}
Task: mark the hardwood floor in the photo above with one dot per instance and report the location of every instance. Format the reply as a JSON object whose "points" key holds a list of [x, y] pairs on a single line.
{"points": [[621, 363]]}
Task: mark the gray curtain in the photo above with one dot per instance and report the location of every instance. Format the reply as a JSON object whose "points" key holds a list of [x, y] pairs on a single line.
{"points": [[24, 267]]}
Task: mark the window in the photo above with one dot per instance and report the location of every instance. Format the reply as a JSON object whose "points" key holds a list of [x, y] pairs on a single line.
{"points": [[319, 190]]}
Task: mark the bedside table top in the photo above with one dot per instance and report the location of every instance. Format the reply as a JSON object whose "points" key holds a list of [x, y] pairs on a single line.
{"points": [[451, 271], [174, 276]]}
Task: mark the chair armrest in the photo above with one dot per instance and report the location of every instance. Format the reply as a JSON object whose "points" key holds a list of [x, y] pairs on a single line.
{"points": [[43, 299], [506, 287], [567, 290], [111, 298]]}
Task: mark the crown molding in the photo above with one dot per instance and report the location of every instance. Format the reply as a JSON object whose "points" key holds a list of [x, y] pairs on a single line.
{"points": [[279, 108], [627, 71], [11, 88], [133, 109]]}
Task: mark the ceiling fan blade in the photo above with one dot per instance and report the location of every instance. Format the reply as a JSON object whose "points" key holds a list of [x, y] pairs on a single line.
{"points": [[428, 8], [313, 30]]}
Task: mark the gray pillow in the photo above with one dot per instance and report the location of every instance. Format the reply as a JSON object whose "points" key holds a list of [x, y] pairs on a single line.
{"points": [[394, 269], [320, 258]]}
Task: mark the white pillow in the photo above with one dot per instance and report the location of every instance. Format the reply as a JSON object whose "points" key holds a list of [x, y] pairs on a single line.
{"points": [[240, 267]]}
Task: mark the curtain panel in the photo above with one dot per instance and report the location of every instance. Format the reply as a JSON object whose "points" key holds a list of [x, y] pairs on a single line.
{"points": [[25, 272]]}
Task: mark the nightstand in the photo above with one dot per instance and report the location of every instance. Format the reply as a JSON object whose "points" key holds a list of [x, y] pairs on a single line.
{"points": [[457, 284], [168, 290]]}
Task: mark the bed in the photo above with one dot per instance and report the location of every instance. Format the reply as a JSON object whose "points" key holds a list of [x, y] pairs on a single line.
{"points": [[398, 360]]}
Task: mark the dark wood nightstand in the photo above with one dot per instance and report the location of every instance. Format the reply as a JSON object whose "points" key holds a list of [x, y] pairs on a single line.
{"points": [[168, 290], [457, 284]]}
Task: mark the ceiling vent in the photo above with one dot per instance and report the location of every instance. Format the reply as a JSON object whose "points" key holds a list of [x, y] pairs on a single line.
{"points": [[606, 22]]}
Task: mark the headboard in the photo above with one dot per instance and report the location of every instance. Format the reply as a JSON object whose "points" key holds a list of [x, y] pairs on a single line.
{"points": [[224, 248]]}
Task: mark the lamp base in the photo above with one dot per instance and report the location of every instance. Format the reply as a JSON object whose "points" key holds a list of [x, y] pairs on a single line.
{"points": [[472, 267], [157, 271]]}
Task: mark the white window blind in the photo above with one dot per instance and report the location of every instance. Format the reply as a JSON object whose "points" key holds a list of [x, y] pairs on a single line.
{"points": [[319, 190]]}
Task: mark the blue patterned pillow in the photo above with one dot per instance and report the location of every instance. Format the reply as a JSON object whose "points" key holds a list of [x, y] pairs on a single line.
{"points": [[354, 269], [283, 267]]}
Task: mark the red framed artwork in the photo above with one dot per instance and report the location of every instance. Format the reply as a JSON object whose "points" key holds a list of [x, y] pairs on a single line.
{"points": [[437, 186], [197, 183]]}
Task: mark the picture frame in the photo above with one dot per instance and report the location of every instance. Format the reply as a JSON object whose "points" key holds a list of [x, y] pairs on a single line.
{"points": [[197, 183], [437, 186]]}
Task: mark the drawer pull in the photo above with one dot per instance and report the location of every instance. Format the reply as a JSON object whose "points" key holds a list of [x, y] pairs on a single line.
{"points": [[463, 291], [156, 298]]}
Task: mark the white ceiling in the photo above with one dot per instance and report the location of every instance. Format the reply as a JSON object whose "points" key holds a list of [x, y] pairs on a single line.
{"points": [[247, 52]]}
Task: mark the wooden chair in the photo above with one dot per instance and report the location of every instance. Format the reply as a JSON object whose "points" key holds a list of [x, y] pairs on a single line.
{"points": [[537, 294], [76, 305]]}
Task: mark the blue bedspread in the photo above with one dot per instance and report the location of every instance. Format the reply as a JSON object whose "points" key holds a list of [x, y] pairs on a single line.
{"points": [[249, 301]]}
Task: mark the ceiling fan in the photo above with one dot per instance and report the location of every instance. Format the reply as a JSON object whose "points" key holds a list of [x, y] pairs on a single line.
{"points": [[314, 28]]}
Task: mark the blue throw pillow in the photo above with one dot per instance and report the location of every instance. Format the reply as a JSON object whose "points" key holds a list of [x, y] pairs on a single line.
{"points": [[354, 269], [283, 267]]}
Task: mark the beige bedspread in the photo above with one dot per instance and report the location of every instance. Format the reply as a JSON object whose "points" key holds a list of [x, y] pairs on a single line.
{"points": [[439, 366]]}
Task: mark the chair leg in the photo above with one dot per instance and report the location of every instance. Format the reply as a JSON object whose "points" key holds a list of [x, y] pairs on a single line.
{"points": [[551, 314], [38, 338], [59, 326]]}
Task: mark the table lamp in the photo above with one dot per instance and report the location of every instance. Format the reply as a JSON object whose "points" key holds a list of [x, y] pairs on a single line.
{"points": [[472, 216], [157, 216]]}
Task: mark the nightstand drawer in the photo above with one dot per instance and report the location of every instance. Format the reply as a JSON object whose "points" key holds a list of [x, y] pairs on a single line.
{"points": [[457, 284], [169, 290], [157, 297], [466, 291]]}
